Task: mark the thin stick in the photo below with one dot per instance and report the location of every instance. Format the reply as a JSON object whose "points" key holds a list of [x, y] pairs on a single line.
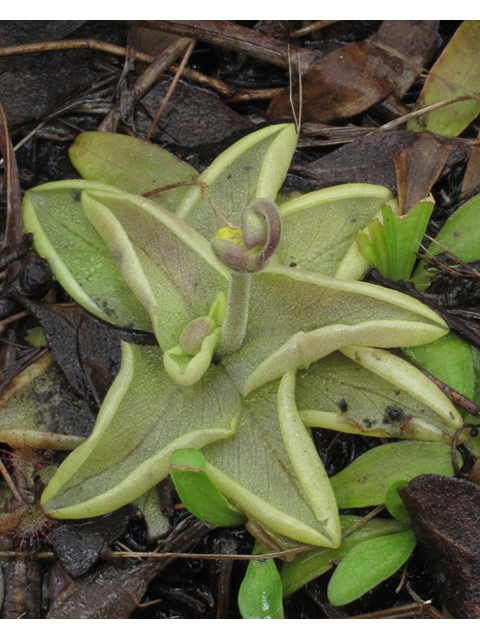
{"points": [[144, 83], [398, 121], [106, 47], [17, 316], [173, 84], [11, 484], [290, 89], [255, 94], [13, 226], [315, 26], [231, 36], [368, 517], [204, 556]]}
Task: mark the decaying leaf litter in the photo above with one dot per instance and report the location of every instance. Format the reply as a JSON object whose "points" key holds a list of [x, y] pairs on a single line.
{"points": [[99, 107]]}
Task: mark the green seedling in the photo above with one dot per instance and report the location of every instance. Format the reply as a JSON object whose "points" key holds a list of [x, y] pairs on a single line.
{"points": [[261, 593], [390, 245]]}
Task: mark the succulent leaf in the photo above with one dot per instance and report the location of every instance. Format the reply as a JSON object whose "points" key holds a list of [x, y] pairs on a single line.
{"points": [[366, 391], [319, 227]]}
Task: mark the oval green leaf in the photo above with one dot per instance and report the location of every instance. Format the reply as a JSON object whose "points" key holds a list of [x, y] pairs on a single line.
{"points": [[198, 493], [368, 564], [260, 596]]}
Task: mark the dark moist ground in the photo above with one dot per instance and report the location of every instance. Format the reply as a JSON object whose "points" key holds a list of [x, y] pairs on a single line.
{"points": [[82, 87]]}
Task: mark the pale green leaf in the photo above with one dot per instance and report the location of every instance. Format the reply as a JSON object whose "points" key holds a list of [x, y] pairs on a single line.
{"points": [[297, 317], [136, 432], [79, 258], [318, 228], [369, 563], [254, 167], [253, 471], [170, 268], [130, 164], [305, 459], [374, 393]]}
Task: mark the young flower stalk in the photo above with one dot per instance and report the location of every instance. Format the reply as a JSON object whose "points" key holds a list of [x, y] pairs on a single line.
{"points": [[245, 251]]}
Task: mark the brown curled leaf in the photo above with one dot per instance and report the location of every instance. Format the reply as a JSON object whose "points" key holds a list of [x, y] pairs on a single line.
{"points": [[355, 77]]}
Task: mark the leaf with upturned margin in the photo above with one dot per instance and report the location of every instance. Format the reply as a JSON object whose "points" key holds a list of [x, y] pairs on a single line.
{"points": [[367, 564], [297, 317], [373, 392], [169, 267], [254, 167], [130, 164], [318, 228], [253, 470], [305, 459], [78, 256], [366, 481], [136, 432]]}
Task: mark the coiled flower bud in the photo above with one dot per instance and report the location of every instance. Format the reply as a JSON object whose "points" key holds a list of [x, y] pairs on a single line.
{"points": [[247, 250]]}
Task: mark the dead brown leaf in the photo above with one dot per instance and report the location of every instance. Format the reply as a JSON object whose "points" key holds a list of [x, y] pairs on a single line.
{"points": [[355, 77], [370, 159]]}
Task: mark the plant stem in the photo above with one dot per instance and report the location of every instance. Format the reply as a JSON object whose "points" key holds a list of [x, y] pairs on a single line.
{"points": [[235, 324]]}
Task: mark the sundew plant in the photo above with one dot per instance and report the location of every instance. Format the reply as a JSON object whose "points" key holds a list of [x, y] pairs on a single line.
{"points": [[263, 327]]}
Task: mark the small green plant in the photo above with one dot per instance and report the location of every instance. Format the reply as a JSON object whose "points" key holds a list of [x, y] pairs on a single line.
{"points": [[255, 308]]}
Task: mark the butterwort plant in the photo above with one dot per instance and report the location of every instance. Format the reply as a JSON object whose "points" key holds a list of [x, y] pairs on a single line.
{"points": [[263, 327]]}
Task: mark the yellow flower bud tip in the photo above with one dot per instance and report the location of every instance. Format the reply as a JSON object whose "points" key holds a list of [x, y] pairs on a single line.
{"points": [[231, 235]]}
